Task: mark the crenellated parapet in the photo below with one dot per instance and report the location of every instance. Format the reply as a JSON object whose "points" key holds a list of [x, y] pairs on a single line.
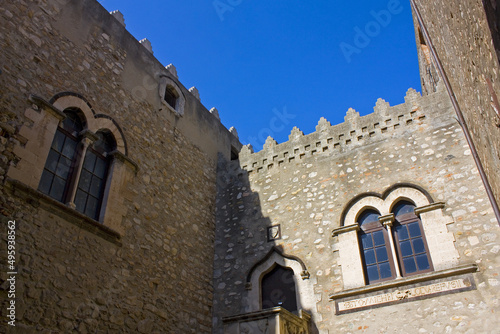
{"points": [[354, 132]]}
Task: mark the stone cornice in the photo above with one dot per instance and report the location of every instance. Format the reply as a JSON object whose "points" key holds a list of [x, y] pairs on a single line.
{"points": [[459, 270], [430, 207], [345, 229], [40, 102], [38, 199], [125, 159]]}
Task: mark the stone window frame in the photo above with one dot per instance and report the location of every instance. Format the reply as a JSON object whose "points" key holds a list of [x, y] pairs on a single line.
{"points": [[306, 297], [165, 83], [440, 241], [25, 176]]}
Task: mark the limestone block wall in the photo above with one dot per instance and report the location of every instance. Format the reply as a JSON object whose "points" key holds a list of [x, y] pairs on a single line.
{"points": [[307, 185], [148, 268], [468, 47]]}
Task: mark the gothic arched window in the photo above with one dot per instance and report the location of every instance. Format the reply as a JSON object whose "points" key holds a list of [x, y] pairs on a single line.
{"points": [[61, 163], [77, 166], [410, 240], [90, 191], [375, 248]]}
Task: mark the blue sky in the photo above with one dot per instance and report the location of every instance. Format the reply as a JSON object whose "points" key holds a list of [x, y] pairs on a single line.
{"points": [[268, 66]]}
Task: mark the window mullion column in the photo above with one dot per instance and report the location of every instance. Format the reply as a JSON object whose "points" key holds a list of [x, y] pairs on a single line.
{"points": [[88, 139], [387, 221]]}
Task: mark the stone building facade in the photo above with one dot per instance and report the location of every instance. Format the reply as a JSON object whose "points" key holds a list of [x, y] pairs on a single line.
{"points": [[135, 210]]}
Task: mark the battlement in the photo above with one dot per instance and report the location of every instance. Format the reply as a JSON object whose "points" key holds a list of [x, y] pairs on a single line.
{"points": [[354, 132]]}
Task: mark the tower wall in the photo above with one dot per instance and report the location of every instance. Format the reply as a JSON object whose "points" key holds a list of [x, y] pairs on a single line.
{"points": [[147, 266]]}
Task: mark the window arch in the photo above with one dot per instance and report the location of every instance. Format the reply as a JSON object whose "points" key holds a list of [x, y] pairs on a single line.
{"points": [[90, 190], [375, 248], [78, 163], [59, 169], [409, 237], [401, 206], [171, 95]]}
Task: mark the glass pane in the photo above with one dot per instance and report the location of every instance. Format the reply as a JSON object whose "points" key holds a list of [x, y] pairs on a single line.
{"points": [[382, 254], [370, 257], [63, 168], [372, 273], [95, 187], [58, 142], [80, 201], [91, 209], [385, 270], [406, 248], [89, 162], [402, 208], [368, 216], [85, 178], [45, 182], [72, 122], [422, 262], [52, 160], [378, 238], [402, 232], [69, 148], [366, 240], [57, 190], [414, 229], [418, 245], [100, 168], [409, 264]]}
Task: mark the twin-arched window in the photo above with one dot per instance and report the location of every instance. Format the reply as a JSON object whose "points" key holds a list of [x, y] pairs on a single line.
{"points": [[394, 248], [77, 165]]}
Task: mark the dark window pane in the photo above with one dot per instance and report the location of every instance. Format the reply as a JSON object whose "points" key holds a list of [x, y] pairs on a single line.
{"points": [[378, 238], [69, 148], [385, 270], [278, 289], [406, 248], [372, 273], [45, 182], [80, 201], [409, 264], [58, 142], [382, 254], [63, 168], [414, 229], [95, 187], [366, 240], [91, 209], [72, 122], [402, 232], [52, 160], [370, 257], [89, 162], [85, 178], [418, 245], [422, 262], [57, 190], [170, 97], [100, 168]]}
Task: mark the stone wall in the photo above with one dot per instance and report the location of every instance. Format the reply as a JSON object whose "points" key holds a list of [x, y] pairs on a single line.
{"points": [[465, 44], [306, 185], [150, 270]]}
